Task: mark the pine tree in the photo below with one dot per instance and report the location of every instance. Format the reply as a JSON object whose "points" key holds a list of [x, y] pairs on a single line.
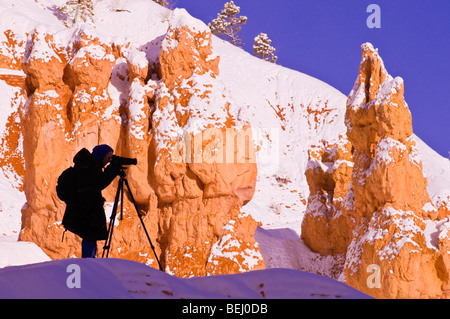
{"points": [[228, 23], [78, 10], [164, 3], [263, 49]]}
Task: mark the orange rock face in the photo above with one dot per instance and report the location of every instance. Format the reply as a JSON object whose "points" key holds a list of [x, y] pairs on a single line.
{"points": [[369, 200], [198, 179], [196, 163]]}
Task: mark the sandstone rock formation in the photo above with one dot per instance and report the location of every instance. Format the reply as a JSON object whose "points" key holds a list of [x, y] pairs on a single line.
{"points": [[369, 199], [196, 164], [195, 178]]}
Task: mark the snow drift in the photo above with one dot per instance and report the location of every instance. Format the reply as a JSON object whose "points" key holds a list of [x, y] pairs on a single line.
{"points": [[118, 278]]}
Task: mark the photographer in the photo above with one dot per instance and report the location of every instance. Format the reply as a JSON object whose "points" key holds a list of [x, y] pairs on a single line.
{"points": [[85, 215]]}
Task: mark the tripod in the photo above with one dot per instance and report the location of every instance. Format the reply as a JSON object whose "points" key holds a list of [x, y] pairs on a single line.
{"points": [[119, 193]]}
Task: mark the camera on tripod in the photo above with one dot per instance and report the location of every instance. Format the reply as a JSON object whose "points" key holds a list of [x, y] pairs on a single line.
{"points": [[123, 161]]}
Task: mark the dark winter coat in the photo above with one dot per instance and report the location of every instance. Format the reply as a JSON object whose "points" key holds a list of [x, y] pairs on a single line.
{"points": [[85, 215]]}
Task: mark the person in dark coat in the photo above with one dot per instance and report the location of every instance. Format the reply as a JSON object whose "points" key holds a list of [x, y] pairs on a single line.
{"points": [[85, 215]]}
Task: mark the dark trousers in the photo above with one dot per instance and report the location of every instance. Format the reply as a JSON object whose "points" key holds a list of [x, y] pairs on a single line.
{"points": [[88, 248]]}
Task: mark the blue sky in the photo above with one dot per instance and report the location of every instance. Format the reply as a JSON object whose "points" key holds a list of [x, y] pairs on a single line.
{"points": [[322, 38]]}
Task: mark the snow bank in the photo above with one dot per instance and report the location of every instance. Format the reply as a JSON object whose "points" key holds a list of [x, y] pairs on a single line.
{"points": [[118, 278], [20, 253]]}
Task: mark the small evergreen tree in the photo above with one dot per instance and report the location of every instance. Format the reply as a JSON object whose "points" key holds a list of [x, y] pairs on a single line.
{"points": [[263, 49], [228, 23], [78, 10], [164, 3]]}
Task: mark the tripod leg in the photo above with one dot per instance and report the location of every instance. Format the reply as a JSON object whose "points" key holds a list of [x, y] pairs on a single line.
{"points": [[113, 219], [142, 223], [121, 200]]}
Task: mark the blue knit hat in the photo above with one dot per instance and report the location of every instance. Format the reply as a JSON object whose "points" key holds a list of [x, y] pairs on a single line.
{"points": [[100, 151]]}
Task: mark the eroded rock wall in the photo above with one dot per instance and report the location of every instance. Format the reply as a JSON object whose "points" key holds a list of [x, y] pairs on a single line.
{"points": [[193, 173]]}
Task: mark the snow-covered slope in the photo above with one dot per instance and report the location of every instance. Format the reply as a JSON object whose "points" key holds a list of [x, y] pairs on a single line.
{"points": [[437, 171], [289, 111], [118, 278]]}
